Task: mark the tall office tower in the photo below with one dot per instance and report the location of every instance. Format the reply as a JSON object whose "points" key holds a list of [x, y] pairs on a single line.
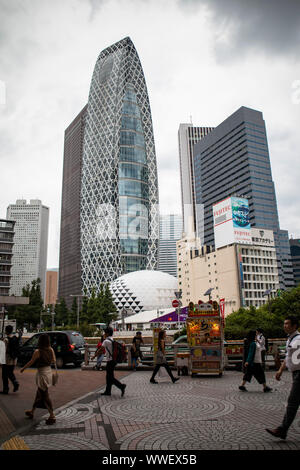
{"points": [[170, 230], [119, 220], [188, 136], [6, 253], [69, 257], [30, 244], [295, 254], [51, 286], [233, 160]]}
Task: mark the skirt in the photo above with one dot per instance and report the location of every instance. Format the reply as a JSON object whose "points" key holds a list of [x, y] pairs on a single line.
{"points": [[43, 378]]}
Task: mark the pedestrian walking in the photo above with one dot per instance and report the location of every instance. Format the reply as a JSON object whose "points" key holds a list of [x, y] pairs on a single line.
{"points": [[42, 358], [11, 350], [135, 350], [99, 354], [110, 364], [292, 362], [253, 365], [161, 359], [261, 340]]}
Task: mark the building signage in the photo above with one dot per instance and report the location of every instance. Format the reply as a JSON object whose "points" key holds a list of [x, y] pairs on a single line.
{"points": [[232, 222]]}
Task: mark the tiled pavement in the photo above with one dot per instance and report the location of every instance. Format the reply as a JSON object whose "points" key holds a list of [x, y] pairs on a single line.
{"points": [[195, 413]]}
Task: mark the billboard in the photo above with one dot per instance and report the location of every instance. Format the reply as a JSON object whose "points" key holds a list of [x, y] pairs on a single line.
{"points": [[232, 221]]}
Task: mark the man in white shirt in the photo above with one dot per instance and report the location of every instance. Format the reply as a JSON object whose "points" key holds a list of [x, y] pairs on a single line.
{"points": [[292, 362], [110, 364]]}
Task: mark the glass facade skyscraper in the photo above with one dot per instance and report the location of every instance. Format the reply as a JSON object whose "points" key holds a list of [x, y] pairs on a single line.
{"points": [[119, 220], [170, 230], [233, 160]]}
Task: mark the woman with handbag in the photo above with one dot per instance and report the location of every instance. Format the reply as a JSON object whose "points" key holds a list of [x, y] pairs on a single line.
{"points": [[161, 359], [43, 357]]}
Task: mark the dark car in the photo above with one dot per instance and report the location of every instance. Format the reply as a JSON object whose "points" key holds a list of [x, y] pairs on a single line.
{"points": [[67, 345]]}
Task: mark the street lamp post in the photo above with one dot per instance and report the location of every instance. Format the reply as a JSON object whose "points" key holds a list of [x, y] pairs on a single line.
{"points": [[178, 295], [77, 297]]}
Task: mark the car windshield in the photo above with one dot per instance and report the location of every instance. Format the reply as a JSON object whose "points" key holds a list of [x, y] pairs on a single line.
{"points": [[77, 339]]}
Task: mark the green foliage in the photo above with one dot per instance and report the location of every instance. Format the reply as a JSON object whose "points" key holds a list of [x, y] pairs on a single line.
{"points": [[61, 312], [269, 317], [28, 314], [181, 332]]}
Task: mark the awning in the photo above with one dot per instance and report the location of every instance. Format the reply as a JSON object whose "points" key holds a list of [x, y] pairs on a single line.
{"points": [[172, 317]]}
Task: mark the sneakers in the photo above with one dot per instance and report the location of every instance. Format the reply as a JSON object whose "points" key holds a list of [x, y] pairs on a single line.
{"points": [[267, 389], [242, 388], [278, 432]]}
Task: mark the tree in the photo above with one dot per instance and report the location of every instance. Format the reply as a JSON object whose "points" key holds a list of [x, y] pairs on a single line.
{"points": [[29, 314], [62, 312], [269, 317]]}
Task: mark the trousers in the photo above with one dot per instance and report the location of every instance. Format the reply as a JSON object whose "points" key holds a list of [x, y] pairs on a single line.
{"points": [[293, 402], [166, 366], [110, 378], [8, 373]]}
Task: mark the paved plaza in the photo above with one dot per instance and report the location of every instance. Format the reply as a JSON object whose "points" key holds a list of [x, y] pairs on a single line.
{"points": [[195, 413]]}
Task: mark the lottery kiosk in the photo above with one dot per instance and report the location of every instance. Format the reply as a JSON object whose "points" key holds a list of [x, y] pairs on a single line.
{"points": [[205, 338]]}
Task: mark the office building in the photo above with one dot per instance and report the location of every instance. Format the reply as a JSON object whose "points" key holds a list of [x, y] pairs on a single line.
{"points": [[295, 254], [233, 160], [51, 286], [109, 220], [30, 244], [6, 253], [243, 274], [170, 230], [188, 136], [69, 256], [119, 220]]}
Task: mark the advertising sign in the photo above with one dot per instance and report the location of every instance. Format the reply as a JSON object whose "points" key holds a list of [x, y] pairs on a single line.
{"points": [[232, 222]]}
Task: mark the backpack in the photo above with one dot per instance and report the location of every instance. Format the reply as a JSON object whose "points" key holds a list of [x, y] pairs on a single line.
{"points": [[119, 354], [13, 347]]}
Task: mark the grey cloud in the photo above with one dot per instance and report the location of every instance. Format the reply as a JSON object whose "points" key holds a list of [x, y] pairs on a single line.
{"points": [[265, 26]]}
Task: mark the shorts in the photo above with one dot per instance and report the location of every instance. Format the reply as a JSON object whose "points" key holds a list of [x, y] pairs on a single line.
{"points": [[256, 371]]}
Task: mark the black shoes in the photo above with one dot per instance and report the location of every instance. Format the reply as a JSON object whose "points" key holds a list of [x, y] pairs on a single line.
{"points": [[175, 379], [16, 387], [242, 388], [153, 381], [278, 432], [107, 394], [123, 390], [5, 392], [267, 389]]}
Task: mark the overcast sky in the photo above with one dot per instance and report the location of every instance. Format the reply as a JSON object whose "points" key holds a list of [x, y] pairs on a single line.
{"points": [[202, 60]]}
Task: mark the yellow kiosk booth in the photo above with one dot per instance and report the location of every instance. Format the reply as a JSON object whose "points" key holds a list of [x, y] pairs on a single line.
{"points": [[205, 338]]}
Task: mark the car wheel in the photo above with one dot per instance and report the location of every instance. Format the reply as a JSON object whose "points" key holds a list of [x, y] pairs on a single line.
{"points": [[59, 362]]}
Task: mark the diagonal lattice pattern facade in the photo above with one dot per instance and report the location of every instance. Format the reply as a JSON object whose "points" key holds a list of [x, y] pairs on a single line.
{"points": [[119, 221]]}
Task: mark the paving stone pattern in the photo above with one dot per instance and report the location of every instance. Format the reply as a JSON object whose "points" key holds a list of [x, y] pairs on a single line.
{"points": [[195, 413]]}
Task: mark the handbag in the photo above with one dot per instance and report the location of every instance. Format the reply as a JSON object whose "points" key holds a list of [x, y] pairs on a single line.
{"points": [[54, 376], [160, 358]]}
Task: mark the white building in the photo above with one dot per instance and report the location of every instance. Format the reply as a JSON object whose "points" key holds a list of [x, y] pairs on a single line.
{"points": [[143, 290], [170, 230], [243, 274], [188, 136], [30, 244]]}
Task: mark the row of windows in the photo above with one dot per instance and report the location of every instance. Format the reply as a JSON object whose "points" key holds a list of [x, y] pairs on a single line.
{"points": [[132, 138], [131, 123], [133, 154], [133, 207], [133, 188], [127, 170], [134, 246]]}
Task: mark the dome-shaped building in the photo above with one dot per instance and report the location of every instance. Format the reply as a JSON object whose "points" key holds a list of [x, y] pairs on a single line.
{"points": [[144, 290]]}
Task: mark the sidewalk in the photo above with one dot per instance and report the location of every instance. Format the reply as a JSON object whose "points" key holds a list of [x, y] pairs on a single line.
{"points": [[208, 413]]}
